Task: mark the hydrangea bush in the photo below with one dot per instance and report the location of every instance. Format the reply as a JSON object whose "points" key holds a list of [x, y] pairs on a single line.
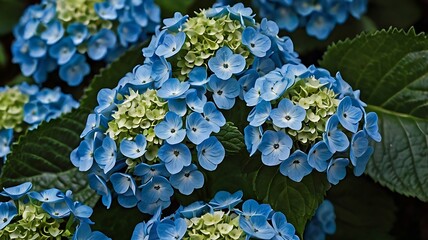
{"points": [[48, 214], [220, 218], [65, 34], [318, 17], [151, 134], [26, 106]]}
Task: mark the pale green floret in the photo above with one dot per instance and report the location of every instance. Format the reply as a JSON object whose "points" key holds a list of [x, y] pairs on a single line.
{"points": [[12, 103], [214, 226], [318, 101], [34, 224], [139, 114], [69, 11], [204, 36]]}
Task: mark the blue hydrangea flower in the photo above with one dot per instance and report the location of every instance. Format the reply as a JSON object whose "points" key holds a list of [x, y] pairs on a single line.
{"points": [[210, 153], [288, 115], [188, 179], [105, 156], [336, 170], [275, 147], [171, 129], [170, 45], [296, 166], [226, 200], [175, 157], [169, 230], [258, 43], [133, 149], [323, 223], [225, 63], [224, 91], [50, 35], [197, 128], [335, 139]]}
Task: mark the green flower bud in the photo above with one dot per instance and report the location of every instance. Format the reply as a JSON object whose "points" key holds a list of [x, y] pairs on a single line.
{"points": [[12, 103]]}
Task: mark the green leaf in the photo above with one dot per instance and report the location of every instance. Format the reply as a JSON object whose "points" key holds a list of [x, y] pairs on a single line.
{"points": [[297, 200], [391, 70], [364, 210], [42, 155], [231, 138], [10, 12]]}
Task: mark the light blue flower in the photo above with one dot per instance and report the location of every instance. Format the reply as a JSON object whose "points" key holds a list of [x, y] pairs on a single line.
{"points": [[195, 209], [171, 45], [99, 44], [105, 10], [359, 145], [175, 23], [226, 200], [198, 76], [257, 227], [18, 191], [105, 155], [37, 47], [213, 116], [122, 183], [252, 208], [348, 115], [187, 180], [319, 156], [258, 43], [53, 33], [158, 188], [196, 100], [128, 32], [197, 128], [6, 136], [320, 26], [361, 162], [253, 96], [296, 166], [260, 114], [147, 172], [210, 153], [78, 32], [252, 138], [74, 70], [63, 50], [171, 129], [336, 140], [84, 232], [371, 126], [7, 212], [288, 115], [336, 170], [133, 149], [224, 64], [177, 106], [161, 71], [224, 91], [283, 229], [49, 196], [275, 147], [175, 157], [171, 230], [151, 208], [173, 88], [99, 185]]}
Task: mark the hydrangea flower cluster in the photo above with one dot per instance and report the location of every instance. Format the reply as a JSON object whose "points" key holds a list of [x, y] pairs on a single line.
{"points": [[303, 119], [48, 214], [26, 106], [150, 134], [61, 34], [322, 223], [219, 219], [319, 17]]}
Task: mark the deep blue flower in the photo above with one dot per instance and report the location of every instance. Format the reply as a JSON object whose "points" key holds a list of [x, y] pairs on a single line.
{"points": [[53, 33], [128, 32], [99, 44], [105, 10], [275, 147], [173, 88], [49, 195], [283, 229], [158, 188], [77, 32], [198, 76], [18, 191], [361, 162], [195, 209], [320, 25], [296, 166], [252, 138], [326, 216], [348, 115], [171, 129], [151, 208], [213, 116], [74, 70], [259, 114], [224, 64], [122, 183], [371, 126], [63, 50], [175, 157], [288, 115], [226, 200], [171, 45], [7, 212], [99, 185], [197, 128], [359, 145], [83, 156], [105, 155], [37, 47], [133, 149], [172, 230], [319, 155], [147, 172], [210, 153], [247, 82], [257, 227], [336, 170], [336, 140], [178, 106], [258, 43], [187, 180]]}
